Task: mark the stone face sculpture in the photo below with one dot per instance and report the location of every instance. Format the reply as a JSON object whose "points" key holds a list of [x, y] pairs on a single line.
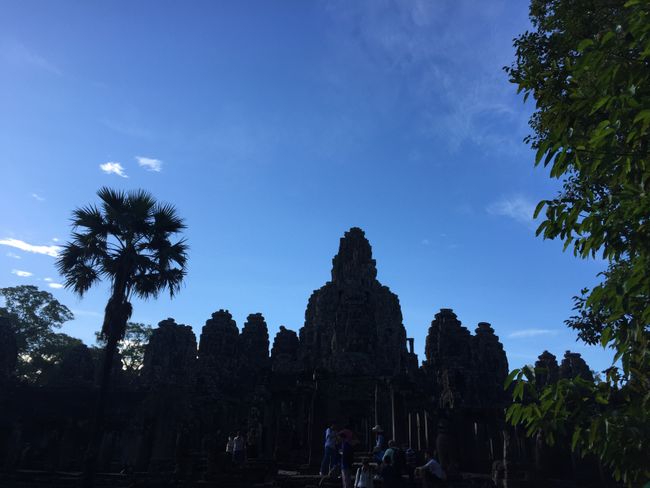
{"points": [[491, 367], [546, 370], [353, 324], [254, 344], [448, 352], [170, 356], [573, 365], [284, 353], [219, 346]]}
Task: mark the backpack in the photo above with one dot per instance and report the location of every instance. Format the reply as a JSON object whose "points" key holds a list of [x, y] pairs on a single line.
{"points": [[400, 460]]}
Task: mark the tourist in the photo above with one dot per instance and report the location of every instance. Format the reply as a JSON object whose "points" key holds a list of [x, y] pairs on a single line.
{"points": [[411, 463], [365, 475], [330, 452], [230, 444], [431, 473], [347, 458], [380, 444], [390, 452], [239, 449], [389, 476]]}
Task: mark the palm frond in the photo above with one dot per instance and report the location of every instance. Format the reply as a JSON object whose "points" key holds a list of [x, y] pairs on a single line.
{"points": [[89, 217], [166, 219]]}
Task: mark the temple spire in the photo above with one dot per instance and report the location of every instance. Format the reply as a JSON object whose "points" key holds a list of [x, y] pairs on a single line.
{"points": [[353, 264]]}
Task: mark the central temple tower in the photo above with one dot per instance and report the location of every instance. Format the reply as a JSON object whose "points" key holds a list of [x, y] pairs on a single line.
{"points": [[353, 324]]}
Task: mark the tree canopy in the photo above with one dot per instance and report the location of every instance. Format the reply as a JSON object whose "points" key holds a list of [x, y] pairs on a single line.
{"points": [[586, 63], [133, 345], [34, 315]]}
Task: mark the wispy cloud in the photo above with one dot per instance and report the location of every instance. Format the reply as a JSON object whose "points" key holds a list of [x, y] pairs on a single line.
{"points": [[36, 196], [21, 273], [454, 75], [128, 126], [526, 333], [12, 255], [24, 246], [113, 167], [425, 242], [18, 54], [516, 207], [56, 286], [150, 164], [48, 279], [88, 313]]}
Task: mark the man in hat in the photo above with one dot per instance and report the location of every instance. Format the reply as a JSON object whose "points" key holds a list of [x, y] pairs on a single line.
{"points": [[380, 444]]}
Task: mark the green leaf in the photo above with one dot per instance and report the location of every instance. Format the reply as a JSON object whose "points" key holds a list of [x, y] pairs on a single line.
{"points": [[510, 378]]}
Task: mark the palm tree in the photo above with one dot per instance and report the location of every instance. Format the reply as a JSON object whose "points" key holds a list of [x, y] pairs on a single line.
{"points": [[126, 241]]}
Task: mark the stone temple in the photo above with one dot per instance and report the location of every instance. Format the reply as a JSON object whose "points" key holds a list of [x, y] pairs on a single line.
{"points": [[351, 363]]}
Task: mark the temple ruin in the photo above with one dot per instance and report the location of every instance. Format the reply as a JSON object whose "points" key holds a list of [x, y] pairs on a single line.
{"points": [[351, 363]]}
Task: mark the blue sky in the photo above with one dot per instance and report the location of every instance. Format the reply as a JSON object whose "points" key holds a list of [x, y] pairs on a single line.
{"points": [[273, 127]]}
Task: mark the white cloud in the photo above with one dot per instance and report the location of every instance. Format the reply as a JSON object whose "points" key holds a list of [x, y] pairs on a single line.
{"points": [[56, 285], [36, 196], [19, 55], [526, 333], [24, 246], [55, 239], [89, 313], [114, 168], [21, 273], [150, 164], [48, 279], [12, 255], [516, 207]]}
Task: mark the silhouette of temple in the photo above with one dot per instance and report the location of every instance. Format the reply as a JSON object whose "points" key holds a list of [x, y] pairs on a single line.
{"points": [[352, 363]]}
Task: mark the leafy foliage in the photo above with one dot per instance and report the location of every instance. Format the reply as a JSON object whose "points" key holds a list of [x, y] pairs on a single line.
{"points": [[133, 345], [127, 241], [34, 314], [587, 66]]}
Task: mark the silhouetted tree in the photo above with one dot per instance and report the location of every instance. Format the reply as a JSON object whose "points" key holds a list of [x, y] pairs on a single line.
{"points": [[126, 240], [33, 315]]}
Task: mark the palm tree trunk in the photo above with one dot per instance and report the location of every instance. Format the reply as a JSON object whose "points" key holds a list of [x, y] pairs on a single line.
{"points": [[100, 409]]}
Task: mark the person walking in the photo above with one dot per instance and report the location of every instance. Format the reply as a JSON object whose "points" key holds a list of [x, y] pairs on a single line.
{"points": [[329, 453], [347, 458], [389, 476], [239, 449], [432, 473], [365, 475], [411, 463]]}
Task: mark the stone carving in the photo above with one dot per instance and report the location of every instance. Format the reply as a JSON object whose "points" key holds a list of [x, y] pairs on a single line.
{"points": [[284, 353], [573, 365], [353, 324], [219, 351], [491, 367], [546, 370], [170, 356], [254, 341], [448, 360]]}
